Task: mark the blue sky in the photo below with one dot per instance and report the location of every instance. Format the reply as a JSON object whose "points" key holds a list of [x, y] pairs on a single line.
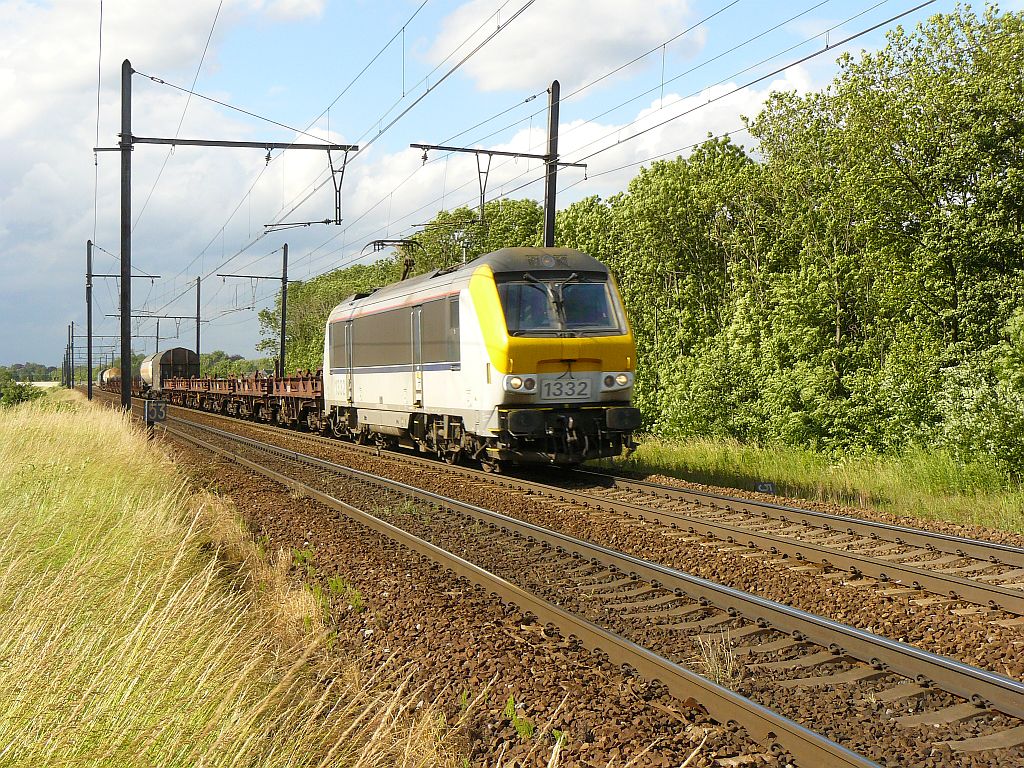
{"points": [[288, 60]]}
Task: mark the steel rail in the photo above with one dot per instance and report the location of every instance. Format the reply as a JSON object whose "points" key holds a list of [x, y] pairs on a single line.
{"points": [[949, 585], [763, 725], [945, 584], [982, 687], [980, 550], [956, 587]]}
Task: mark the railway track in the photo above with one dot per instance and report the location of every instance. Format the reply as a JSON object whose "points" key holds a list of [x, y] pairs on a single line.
{"points": [[898, 560], [960, 708], [984, 572]]}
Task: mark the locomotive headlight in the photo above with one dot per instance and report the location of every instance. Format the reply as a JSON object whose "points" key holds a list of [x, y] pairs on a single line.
{"points": [[519, 384], [611, 382]]}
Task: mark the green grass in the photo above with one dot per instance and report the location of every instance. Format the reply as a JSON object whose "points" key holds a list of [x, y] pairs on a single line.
{"points": [[138, 626], [917, 483]]}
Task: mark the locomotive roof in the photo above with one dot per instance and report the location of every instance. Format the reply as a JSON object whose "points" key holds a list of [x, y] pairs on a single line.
{"points": [[527, 259], [502, 260]]}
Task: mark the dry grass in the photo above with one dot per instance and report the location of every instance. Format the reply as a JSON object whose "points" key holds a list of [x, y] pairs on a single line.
{"points": [[716, 660], [917, 483], [140, 626]]}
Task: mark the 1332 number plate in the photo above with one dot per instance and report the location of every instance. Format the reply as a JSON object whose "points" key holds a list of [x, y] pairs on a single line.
{"points": [[565, 389]]}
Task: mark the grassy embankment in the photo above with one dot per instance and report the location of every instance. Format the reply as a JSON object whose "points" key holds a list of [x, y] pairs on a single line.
{"points": [[140, 626], [916, 483]]}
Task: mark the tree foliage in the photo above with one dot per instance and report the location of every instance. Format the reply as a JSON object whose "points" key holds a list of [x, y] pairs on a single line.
{"points": [[220, 364], [855, 287]]}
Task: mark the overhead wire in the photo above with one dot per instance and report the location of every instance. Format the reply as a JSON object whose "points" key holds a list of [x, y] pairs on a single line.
{"points": [[502, 113], [745, 85], [694, 145], [578, 90], [699, 66], [677, 151], [256, 239], [242, 268], [261, 235], [384, 129], [705, 88], [430, 89], [592, 83], [759, 79], [511, 108], [226, 105], [704, 63], [371, 62], [722, 96], [660, 46], [181, 120], [303, 132], [252, 186]]}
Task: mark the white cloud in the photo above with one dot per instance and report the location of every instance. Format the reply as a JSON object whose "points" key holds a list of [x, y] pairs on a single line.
{"points": [[570, 40], [288, 10], [48, 60]]}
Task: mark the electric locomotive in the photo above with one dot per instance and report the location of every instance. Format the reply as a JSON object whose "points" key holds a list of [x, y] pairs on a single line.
{"points": [[521, 356]]}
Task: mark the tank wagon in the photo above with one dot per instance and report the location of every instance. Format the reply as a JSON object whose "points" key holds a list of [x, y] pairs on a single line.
{"points": [[522, 356], [176, 362]]}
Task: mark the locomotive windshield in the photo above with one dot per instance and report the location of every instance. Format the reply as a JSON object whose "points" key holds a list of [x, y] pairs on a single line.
{"points": [[572, 305]]}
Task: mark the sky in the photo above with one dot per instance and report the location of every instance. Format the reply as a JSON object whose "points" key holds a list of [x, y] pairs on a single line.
{"points": [[639, 79]]}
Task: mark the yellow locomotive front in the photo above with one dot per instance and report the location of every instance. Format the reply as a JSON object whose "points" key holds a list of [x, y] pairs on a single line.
{"points": [[562, 354]]}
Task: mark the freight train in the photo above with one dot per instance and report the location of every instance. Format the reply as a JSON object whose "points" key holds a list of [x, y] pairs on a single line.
{"points": [[522, 356]]}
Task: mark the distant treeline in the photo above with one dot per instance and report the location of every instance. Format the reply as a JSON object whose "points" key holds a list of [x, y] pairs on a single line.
{"points": [[852, 283], [29, 372]]}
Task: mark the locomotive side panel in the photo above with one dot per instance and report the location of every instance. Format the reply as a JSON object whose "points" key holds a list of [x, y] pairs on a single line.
{"points": [[382, 360], [390, 361]]}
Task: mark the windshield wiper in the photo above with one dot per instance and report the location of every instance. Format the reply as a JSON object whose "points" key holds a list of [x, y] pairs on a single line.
{"points": [[554, 294], [544, 286], [540, 285], [558, 298]]}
